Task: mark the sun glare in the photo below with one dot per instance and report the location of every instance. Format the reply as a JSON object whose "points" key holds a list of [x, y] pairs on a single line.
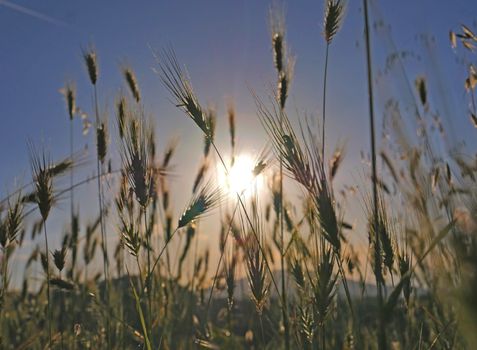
{"points": [[240, 178]]}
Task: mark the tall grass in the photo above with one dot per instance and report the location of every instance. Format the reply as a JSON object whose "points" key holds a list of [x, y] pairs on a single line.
{"points": [[284, 68], [284, 272]]}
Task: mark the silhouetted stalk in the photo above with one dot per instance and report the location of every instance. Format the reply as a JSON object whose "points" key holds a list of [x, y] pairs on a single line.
{"points": [[149, 276], [140, 273], [323, 336], [3, 293], [220, 261], [324, 105], [102, 224], [48, 309], [282, 251], [162, 250], [71, 176], [261, 329], [100, 193], [381, 326], [283, 67]]}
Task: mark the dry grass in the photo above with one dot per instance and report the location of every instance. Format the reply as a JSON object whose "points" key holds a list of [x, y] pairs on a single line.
{"points": [[289, 273]]}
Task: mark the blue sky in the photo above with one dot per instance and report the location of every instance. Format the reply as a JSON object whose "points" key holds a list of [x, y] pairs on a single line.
{"points": [[226, 48]]}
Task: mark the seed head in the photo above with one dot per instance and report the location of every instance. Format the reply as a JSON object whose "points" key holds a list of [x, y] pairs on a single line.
{"points": [[136, 157], [231, 118], [102, 141], [43, 180], [276, 19], [70, 97], [177, 82], [256, 275], [201, 203], [121, 115], [132, 83], [91, 62], [59, 257], [333, 18]]}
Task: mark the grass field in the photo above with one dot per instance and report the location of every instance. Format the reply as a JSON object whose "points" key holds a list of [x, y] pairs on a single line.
{"points": [[289, 272]]}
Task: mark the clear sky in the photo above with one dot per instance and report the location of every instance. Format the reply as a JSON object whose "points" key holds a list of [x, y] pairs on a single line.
{"points": [[226, 48]]}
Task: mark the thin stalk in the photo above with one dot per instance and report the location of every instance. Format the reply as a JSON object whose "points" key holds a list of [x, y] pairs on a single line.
{"points": [[140, 274], [48, 309], [162, 250], [71, 175], [261, 330], [4, 282], [102, 224], [381, 327], [323, 337], [72, 210], [149, 279], [100, 197], [282, 253], [324, 105], [220, 261]]}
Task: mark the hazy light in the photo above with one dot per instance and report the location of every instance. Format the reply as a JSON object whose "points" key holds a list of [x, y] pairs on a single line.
{"points": [[240, 178]]}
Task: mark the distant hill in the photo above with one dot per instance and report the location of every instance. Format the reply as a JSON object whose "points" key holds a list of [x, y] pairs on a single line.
{"points": [[242, 288]]}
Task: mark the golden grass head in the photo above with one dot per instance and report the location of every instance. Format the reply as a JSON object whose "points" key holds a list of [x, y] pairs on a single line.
{"points": [[132, 83]]}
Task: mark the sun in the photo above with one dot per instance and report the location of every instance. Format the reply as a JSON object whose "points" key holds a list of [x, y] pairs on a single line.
{"points": [[240, 177]]}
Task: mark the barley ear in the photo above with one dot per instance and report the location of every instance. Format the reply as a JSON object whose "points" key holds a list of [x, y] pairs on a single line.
{"points": [[91, 62], [333, 17], [132, 83]]}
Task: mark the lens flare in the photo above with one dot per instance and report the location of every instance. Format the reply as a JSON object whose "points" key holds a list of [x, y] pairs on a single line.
{"points": [[240, 178]]}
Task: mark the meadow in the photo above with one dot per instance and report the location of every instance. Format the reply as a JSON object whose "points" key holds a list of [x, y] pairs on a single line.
{"points": [[288, 274]]}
